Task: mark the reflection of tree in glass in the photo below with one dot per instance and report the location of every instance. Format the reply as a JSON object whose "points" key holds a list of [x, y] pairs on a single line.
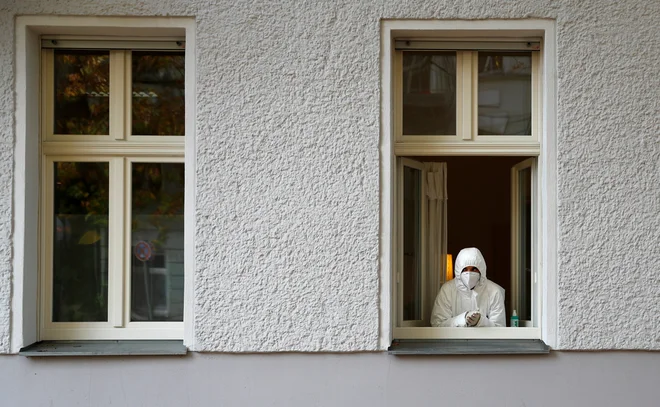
{"points": [[157, 193], [80, 249], [158, 93], [82, 103], [157, 217]]}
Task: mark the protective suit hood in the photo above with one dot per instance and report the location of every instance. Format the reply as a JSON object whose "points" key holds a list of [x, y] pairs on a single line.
{"points": [[470, 256], [455, 299]]}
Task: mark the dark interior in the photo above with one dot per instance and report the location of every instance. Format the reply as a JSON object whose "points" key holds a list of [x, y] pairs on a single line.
{"points": [[479, 211]]}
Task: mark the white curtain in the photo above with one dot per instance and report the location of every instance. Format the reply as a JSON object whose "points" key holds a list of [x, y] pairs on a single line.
{"points": [[436, 249]]}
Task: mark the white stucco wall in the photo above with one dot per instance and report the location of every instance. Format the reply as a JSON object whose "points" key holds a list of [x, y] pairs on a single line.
{"points": [[6, 172], [287, 166]]}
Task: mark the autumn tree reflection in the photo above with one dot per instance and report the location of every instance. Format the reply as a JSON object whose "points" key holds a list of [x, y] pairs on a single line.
{"points": [[158, 104], [80, 242], [157, 217], [82, 92]]}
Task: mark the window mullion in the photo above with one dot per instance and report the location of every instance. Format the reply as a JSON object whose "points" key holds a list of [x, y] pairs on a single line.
{"points": [[117, 95], [116, 238], [126, 236], [118, 100], [464, 94], [474, 94], [128, 93]]}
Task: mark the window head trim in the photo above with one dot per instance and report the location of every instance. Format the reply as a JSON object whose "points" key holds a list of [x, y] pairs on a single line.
{"points": [[63, 42], [532, 44]]}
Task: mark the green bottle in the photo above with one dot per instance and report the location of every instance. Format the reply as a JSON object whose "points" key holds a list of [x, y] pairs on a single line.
{"points": [[514, 320]]}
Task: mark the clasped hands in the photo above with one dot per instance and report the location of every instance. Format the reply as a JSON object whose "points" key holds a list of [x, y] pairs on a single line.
{"points": [[472, 318]]}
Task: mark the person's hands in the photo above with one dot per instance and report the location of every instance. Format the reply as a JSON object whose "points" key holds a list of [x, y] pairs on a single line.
{"points": [[472, 318]]}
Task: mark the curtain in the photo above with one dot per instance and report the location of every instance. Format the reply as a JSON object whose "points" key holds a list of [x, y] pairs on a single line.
{"points": [[436, 242]]}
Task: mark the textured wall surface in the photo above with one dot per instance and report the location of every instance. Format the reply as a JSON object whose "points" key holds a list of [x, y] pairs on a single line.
{"points": [[609, 176], [287, 177], [6, 172]]}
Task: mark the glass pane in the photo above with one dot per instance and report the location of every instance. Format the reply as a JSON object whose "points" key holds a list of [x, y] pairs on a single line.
{"points": [[429, 93], [505, 93], [157, 242], [158, 102], [80, 242], [525, 249], [412, 254], [82, 98]]}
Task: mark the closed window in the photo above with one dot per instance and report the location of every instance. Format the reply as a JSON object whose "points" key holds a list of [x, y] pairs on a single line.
{"points": [[112, 189]]}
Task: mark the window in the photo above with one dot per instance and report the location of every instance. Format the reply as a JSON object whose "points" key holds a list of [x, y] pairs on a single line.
{"points": [[112, 189], [466, 134]]}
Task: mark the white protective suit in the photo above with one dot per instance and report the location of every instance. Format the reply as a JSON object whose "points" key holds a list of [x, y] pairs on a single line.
{"points": [[455, 299]]}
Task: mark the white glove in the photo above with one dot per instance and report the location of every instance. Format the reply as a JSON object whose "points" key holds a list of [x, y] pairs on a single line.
{"points": [[472, 318]]}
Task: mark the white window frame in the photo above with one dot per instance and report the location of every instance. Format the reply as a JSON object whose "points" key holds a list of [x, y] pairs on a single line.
{"points": [[29, 30], [542, 145], [531, 164], [120, 149], [406, 162]]}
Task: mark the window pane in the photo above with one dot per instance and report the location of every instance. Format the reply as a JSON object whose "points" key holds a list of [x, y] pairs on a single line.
{"points": [[429, 93], [80, 242], [157, 242], [525, 249], [505, 93], [82, 102], [158, 93], [412, 254]]}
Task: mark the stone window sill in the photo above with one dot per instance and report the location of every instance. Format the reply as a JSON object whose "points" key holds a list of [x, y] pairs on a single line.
{"points": [[468, 347], [105, 348]]}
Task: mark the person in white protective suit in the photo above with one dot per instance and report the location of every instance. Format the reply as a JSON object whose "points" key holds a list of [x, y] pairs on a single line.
{"points": [[470, 299]]}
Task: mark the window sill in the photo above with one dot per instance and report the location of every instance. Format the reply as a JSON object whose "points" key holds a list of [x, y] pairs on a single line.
{"points": [[468, 347], [105, 348]]}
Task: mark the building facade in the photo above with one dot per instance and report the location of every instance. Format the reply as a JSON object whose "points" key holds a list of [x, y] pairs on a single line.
{"points": [[287, 273]]}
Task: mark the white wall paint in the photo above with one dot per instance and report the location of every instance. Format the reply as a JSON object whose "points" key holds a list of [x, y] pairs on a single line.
{"points": [[377, 379], [287, 166]]}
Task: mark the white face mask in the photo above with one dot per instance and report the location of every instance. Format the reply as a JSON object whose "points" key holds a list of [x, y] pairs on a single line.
{"points": [[470, 278]]}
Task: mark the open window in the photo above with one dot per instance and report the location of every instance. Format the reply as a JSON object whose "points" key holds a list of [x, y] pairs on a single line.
{"points": [[466, 140], [446, 203]]}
